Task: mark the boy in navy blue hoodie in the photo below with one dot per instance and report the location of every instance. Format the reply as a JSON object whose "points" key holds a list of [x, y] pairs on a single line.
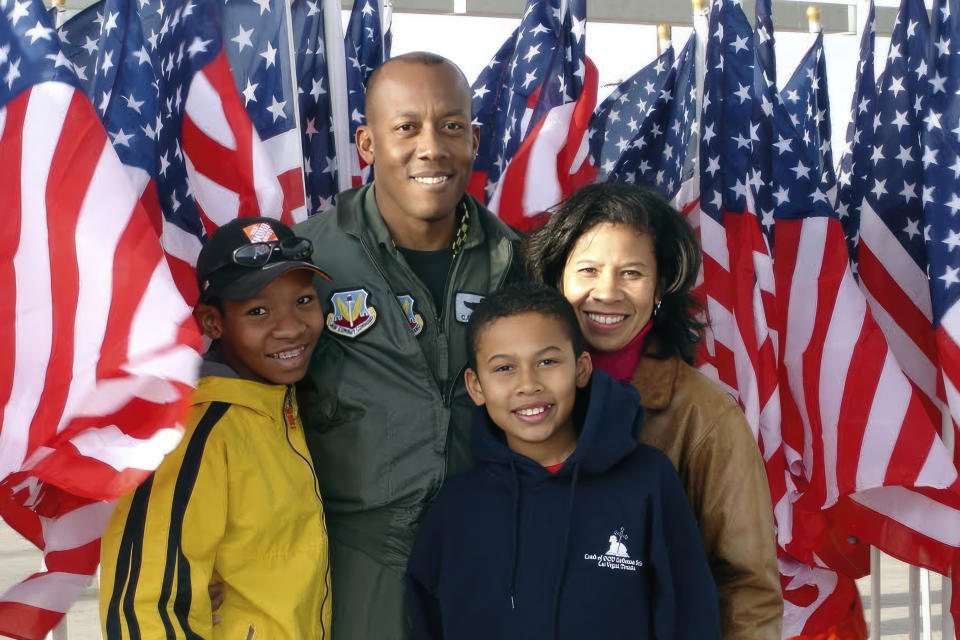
{"points": [[567, 527]]}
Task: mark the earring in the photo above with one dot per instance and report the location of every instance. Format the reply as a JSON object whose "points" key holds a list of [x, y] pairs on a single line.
{"points": [[656, 307]]}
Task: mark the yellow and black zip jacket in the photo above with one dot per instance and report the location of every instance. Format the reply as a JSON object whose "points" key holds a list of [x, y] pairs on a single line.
{"points": [[237, 503]]}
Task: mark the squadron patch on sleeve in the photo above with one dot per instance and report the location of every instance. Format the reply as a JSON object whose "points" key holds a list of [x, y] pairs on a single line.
{"points": [[415, 319], [351, 314]]}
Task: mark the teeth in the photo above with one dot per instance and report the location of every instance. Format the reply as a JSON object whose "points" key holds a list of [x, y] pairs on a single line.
{"points": [[605, 318], [287, 355], [532, 412], [436, 180]]}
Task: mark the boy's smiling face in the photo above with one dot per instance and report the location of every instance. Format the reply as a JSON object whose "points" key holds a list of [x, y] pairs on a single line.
{"points": [[527, 376], [271, 336]]}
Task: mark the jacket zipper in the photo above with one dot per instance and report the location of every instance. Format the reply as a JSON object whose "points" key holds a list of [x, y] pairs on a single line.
{"points": [[442, 317], [288, 423], [383, 276]]}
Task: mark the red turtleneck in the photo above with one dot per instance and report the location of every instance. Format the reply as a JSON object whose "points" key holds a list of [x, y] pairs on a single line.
{"points": [[621, 363]]}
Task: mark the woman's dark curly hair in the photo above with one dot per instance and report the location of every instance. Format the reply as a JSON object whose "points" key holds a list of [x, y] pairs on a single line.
{"points": [[676, 328]]}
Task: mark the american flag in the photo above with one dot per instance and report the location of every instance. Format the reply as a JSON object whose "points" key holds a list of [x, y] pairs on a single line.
{"points": [[93, 384], [257, 41], [941, 201], [491, 93], [163, 88], [320, 162], [616, 121], [889, 243], [763, 43], [807, 100], [848, 447], [509, 85], [541, 113], [656, 154], [742, 344], [852, 183], [365, 51]]}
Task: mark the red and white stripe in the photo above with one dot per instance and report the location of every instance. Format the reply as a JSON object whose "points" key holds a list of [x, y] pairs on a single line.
{"points": [[736, 286], [899, 295], [864, 423], [948, 380], [871, 458], [552, 162], [101, 348]]}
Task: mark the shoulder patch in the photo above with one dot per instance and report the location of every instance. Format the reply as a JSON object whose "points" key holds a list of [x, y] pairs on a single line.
{"points": [[415, 319], [351, 314], [464, 305]]}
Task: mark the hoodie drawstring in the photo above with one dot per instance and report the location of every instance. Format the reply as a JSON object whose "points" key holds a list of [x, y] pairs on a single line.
{"points": [[565, 556], [516, 534]]}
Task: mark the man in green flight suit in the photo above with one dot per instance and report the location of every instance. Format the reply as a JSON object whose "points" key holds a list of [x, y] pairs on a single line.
{"points": [[385, 412]]}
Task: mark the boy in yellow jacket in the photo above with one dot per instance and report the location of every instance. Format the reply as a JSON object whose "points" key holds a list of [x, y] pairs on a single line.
{"points": [[237, 501]]}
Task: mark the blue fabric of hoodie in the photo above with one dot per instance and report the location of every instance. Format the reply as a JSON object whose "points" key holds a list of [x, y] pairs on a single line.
{"points": [[606, 547]]}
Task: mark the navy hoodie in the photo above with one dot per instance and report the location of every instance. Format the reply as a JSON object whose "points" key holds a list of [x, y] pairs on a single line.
{"points": [[606, 547]]}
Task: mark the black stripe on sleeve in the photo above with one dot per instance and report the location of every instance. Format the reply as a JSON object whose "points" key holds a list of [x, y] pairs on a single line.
{"points": [[128, 563], [175, 560]]}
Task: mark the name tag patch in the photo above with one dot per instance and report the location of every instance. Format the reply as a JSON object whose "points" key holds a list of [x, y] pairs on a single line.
{"points": [[464, 305]]}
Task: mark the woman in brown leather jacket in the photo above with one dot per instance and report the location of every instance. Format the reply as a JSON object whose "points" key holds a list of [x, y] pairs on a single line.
{"points": [[626, 261]]}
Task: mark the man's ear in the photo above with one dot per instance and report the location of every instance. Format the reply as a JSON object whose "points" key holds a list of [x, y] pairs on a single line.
{"points": [[584, 369], [476, 140], [472, 382], [364, 140], [210, 320]]}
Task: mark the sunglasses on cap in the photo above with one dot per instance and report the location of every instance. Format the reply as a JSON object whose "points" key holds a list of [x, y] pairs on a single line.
{"points": [[257, 254]]}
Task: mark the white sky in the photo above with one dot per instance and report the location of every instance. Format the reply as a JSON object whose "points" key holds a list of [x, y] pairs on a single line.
{"points": [[619, 50]]}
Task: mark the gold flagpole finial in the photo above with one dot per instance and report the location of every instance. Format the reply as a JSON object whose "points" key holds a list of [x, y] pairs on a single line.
{"points": [[813, 17], [699, 5], [664, 38]]}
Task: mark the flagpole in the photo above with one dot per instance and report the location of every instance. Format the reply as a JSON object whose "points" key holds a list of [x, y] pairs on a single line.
{"points": [[61, 6], [292, 50], [946, 585], [386, 21], [863, 10], [701, 27], [664, 38], [337, 74]]}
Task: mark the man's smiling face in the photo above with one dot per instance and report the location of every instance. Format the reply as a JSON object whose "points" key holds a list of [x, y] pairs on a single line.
{"points": [[420, 141]]}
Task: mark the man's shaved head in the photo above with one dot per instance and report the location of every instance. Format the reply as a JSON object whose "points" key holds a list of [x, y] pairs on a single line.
{"points": [[414, 57]]}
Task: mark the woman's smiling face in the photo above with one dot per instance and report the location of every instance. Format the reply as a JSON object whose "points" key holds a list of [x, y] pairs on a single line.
{"points": [[611, 280]]}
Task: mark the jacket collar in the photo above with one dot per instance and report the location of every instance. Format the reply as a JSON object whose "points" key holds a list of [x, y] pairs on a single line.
{"points": [[359, 215], [219, 383], [656, 379]]}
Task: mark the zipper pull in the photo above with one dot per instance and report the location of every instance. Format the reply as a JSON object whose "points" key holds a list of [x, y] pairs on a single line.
{"points": [[289, 413]]}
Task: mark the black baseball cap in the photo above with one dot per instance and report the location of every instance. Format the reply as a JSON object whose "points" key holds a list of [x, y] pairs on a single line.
{"points": [[227, 270]]}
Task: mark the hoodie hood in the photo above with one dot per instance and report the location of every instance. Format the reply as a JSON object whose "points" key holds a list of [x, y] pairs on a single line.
{"points": [[607, 417], [213, 365], [218, 382]]}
